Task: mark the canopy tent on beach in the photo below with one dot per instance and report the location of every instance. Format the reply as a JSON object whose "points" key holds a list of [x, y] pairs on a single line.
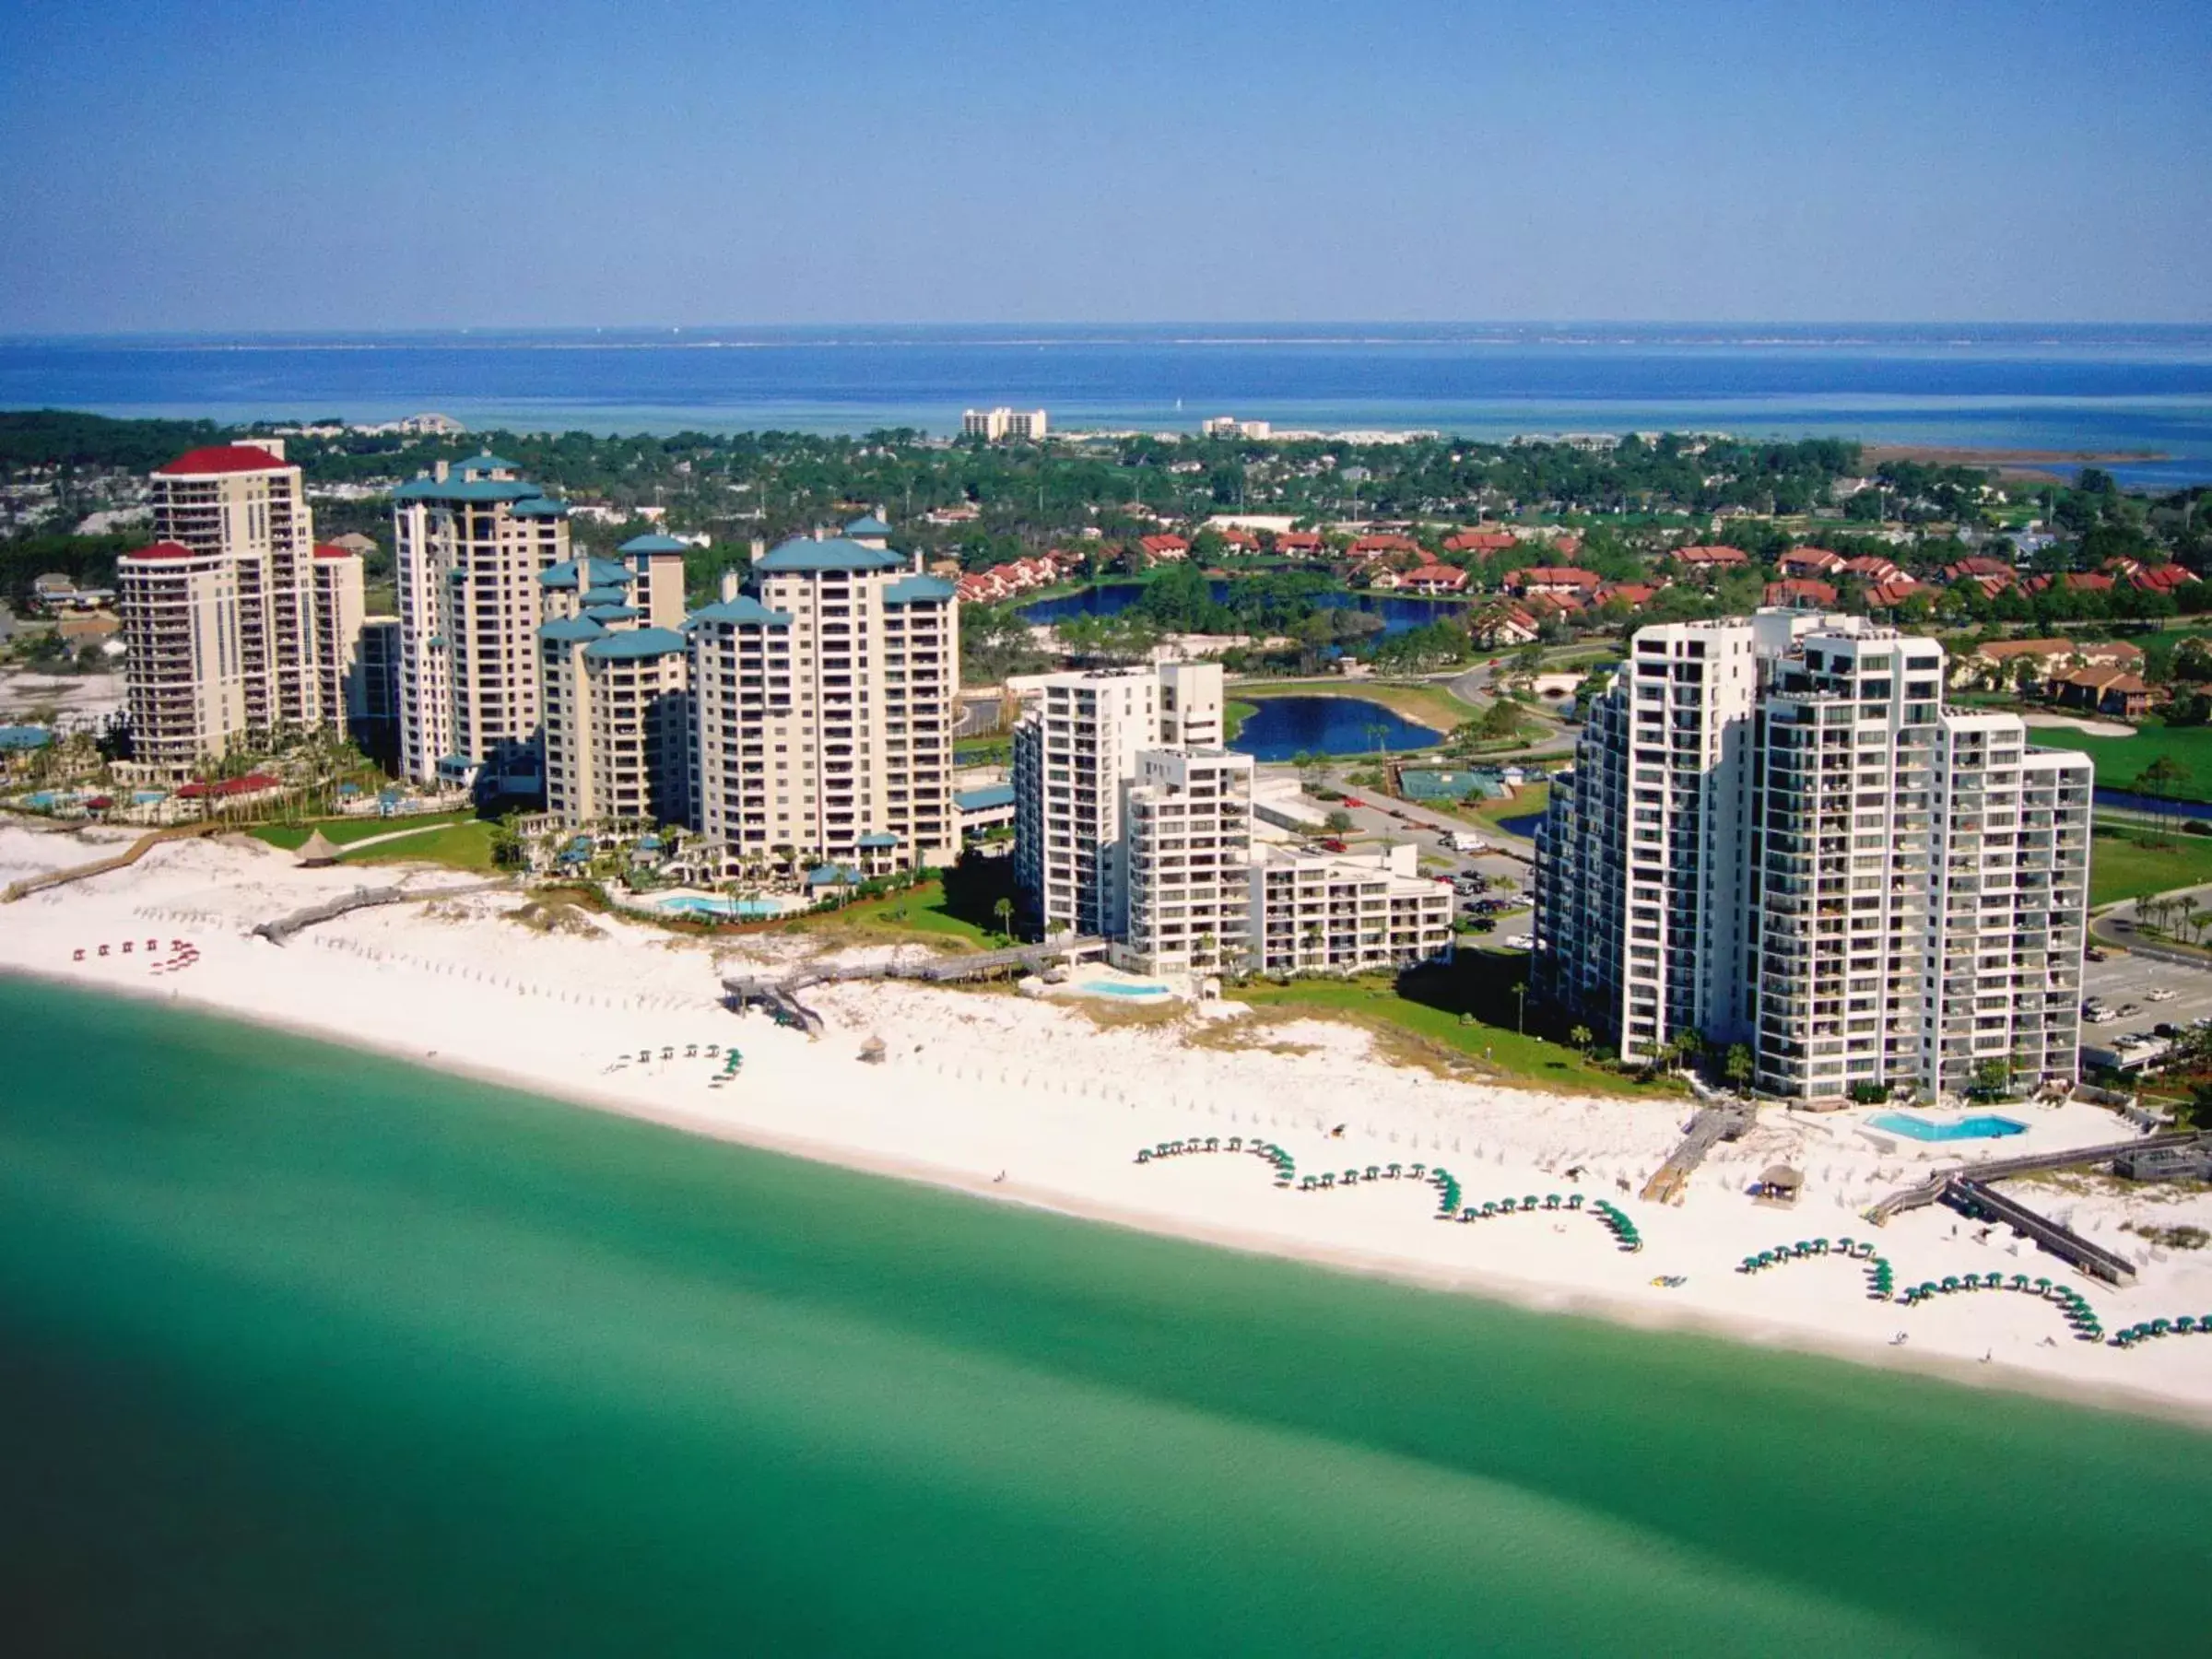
{"points": [[318, 852]]}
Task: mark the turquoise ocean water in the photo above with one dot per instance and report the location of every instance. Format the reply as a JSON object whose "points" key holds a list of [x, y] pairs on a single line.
{"points": [[307, 1352]]}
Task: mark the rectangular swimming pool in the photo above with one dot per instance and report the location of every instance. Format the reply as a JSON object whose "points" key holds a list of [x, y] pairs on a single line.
{"points": [[1973, 1128]]}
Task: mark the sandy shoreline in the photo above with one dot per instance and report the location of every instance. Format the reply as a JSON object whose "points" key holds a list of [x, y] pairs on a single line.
{"points": [[978, 1087]]}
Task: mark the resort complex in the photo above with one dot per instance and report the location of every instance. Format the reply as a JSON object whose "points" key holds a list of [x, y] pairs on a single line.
{"points": [[1775, 835]]}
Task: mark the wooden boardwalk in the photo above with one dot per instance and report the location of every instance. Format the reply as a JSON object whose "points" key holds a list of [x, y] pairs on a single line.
{"points": [[101, 866], [780, 994], [1713, 1124]]}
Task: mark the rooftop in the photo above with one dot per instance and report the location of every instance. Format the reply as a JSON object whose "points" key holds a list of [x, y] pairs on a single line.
{"points": [[834, 554], [221, 458], [741, 609], [588, 573], [637, 645], [912, 590], [654, 541]]}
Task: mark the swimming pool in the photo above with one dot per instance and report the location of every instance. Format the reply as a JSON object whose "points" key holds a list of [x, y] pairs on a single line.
{"points": [[1116, 988], [1973, 1128], [703, 904]]}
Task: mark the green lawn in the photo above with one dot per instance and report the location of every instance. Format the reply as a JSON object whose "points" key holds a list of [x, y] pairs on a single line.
{"points": [[2128, 864], [346, 831], [1429, 705], [2121, 760], [458, 840], [464, 845], [1234, 713], [1426, 1004], [958, 908]]}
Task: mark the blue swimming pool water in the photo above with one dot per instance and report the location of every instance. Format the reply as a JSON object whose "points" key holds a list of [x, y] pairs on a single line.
{"points": [[1116, 988], [1973, 1128], [693, 905]]}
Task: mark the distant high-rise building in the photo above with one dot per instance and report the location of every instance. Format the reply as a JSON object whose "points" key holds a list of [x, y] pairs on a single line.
{"points": [[235, 624], [472, 540], [1774, 833], [825, 698], [995, 425]]}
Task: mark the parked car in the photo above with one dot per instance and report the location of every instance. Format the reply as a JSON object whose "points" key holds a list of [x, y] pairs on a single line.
{"points": [[2160, 994], [2094, 955], [1354, 801]]}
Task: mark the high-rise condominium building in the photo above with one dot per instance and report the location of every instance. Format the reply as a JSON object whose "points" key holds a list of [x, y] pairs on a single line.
{"points": [[824, 702], [183, 679], [235, 623], [372, 693], [1075, 747], [614, 689], [1774, 833], [472, 540], [1188, 814], [998, 425]]}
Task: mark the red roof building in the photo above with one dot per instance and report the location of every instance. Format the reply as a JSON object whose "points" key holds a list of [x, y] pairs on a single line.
{"points": [[222, 458], [1435, 578], [1164, 546], [1710, 557], [1480, 541], [1800, 593], [1809, 562], [1383, 546], [1299, 544], [1554, 579]]}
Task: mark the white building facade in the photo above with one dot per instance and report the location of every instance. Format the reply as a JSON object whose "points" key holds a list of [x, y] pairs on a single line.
{"points": [[472, 540], [1075, 746], [1867, 889], [1345, 913], [1188, 816], [235, 624], [824, 700]]}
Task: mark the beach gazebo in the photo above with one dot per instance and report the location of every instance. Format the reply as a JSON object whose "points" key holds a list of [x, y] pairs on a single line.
{"points": [[318, 852], [1777, 1184]]}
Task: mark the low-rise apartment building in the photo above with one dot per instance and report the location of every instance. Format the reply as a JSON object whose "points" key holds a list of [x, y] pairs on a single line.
{"points": [[1314, 911]]}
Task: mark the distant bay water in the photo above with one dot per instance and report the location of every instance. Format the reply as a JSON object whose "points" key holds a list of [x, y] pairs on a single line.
{"points": [[2144, 389], [306, 1351]]}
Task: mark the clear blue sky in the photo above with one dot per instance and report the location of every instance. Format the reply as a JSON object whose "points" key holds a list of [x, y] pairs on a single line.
{"points": [[222, 165]]}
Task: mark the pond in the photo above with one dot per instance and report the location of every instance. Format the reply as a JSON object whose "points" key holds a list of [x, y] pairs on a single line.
{"points": [[1112, 598], [1326, 725]]}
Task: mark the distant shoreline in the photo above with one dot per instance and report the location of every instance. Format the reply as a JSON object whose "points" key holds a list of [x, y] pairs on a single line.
{"points": [[2012, 463]]}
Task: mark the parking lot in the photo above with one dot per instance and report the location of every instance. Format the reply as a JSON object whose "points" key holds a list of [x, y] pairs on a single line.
{"points": [[2127, 981]]}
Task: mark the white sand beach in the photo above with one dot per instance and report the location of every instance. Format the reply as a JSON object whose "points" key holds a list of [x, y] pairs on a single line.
{"points": [[1027, 1101]]}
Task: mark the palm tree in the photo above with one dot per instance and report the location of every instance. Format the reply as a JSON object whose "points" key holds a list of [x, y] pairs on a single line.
{"points": [[1520, 1007], [1581, 1037], [2185, 909], [1004, 912]]}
